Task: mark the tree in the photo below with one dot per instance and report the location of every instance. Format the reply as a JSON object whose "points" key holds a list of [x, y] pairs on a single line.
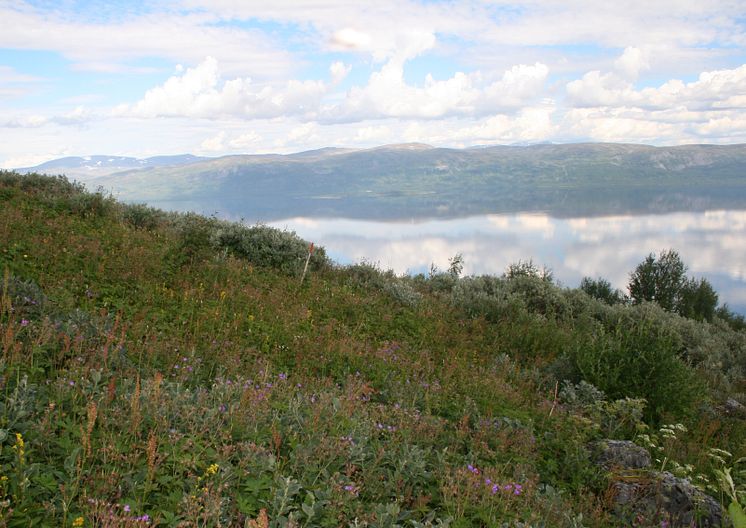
{"points": [[602, 290], [663, 280], [659, 279], [698, 300]]}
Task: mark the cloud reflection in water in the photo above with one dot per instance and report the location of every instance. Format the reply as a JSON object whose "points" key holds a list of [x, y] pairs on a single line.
{"points": [[711, 243]]}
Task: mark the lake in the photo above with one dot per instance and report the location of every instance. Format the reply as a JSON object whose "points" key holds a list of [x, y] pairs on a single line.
{"points": [[712, 244]]}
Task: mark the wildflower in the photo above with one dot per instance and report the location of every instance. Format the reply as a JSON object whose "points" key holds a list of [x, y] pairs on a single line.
{"points": [[24, 322], [282, 376], [19, 447], [211, 470], [127, 508], [351, 489], [78, 522], [473, 469], [145, 518]]}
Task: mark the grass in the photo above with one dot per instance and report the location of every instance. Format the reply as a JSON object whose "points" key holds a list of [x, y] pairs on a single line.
{"points": [[170, 370]]}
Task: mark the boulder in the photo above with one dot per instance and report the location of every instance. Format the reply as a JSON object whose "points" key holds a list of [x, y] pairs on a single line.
{"points": [[645, 497], [621, 454], [734, 408]]}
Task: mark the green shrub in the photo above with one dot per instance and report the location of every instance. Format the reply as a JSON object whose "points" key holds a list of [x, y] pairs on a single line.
{"points": [[91, 204], [637, 357], [487, 297], [540, 295], [193, 233], [266, 246], [141, 216]]}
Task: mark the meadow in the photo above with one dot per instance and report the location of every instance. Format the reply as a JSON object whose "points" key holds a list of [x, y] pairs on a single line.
{"points": [[165, 369]]}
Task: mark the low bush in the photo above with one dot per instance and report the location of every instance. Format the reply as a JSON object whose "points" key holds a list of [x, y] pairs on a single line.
{"points": [[638, 357], [266, 246]]}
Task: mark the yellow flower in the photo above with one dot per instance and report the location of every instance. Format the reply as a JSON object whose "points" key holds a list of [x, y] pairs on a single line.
{"points": [[19, 446], [212, 470], [78, 522]]}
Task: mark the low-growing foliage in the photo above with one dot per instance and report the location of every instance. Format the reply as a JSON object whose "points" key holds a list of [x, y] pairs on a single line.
{"points": [[170, 369]]}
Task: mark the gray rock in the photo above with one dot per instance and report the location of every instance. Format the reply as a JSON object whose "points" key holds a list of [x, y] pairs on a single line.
{"points": [[735, 408], [621, 454], [659, 497], [643, 496]]}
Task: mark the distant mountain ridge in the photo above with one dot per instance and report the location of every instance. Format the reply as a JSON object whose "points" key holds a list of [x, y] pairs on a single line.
{"points": [[417, 180], [102, 165]]}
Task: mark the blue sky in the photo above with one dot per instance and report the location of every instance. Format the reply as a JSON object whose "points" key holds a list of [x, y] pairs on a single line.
{"points": [[215, 77]]}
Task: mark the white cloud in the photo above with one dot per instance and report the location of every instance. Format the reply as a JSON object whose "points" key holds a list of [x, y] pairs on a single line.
{"points": [[339, 70], [387, 94], [606, 107], [351, 39], [27, 121], [113, 45], [246, 140], [720, 89], [374, 134], [200, 92], [16, 84], [213, 144], [632, 62]]}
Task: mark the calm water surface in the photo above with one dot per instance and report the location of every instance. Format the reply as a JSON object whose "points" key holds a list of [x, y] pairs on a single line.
{"points": [[712, 244]]}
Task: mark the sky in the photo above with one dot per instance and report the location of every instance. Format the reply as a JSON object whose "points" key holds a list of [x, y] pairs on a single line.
{"points": [[217, 77]]}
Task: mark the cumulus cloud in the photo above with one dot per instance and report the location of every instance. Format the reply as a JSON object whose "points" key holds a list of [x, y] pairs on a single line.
{"points": [[387, 94], [720, 89], [245, 140], [200, 92], [213, 144], [339, 70], [609, 107], [632, 62], [351, 39]]}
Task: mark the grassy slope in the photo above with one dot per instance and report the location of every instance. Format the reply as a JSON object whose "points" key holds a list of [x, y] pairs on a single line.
{"points": [[198, 388]]}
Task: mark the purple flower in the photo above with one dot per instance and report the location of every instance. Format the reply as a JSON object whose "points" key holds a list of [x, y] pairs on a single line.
{"points": [[24, 322], [127, 508], [282, 376], [473, 469], [495, 488]]}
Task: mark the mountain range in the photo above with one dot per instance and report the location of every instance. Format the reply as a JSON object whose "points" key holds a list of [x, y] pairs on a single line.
{"points": [[416, 180]]}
